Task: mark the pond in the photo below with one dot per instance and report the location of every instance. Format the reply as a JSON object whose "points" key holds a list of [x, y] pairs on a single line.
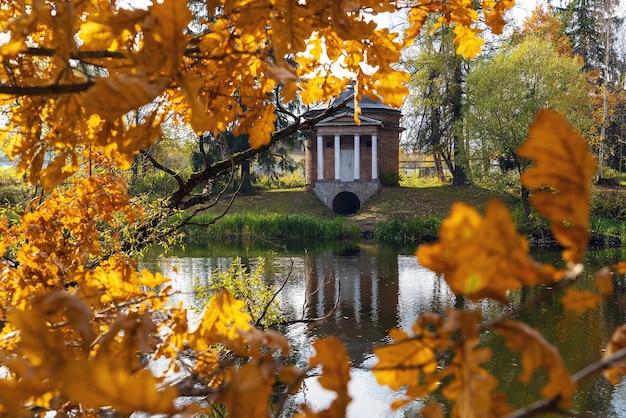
{"points": [[377, 288]]}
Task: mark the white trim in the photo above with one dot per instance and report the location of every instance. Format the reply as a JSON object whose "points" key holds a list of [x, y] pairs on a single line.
{"points": [[357, 157], [374, 157], [337, 157], [320, 157]]}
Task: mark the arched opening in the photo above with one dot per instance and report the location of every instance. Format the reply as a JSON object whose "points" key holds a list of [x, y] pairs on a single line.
{"points": [[346, 203]]}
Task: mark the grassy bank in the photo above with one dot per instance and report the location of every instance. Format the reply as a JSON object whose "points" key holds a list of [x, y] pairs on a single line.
{"points": [[273, 226], [400, 215]]}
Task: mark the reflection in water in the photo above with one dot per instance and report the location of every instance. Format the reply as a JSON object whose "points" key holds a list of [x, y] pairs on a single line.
{"points": [[376, 288]]}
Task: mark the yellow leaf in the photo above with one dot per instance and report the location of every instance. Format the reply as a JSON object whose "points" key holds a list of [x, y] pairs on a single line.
{"points": [[579, 300], [259, 126], [103, 383], [561, 179], [483, 257], [494, 13], [224, 316], [113, 97], [411, 361], [96, 36], [56, 171], [536, 352], [469, 44], [171, 20], [191, 86], [618, 342]]}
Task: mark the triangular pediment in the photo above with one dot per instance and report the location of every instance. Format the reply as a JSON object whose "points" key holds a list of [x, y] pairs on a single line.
{"points": [[347, 119]]}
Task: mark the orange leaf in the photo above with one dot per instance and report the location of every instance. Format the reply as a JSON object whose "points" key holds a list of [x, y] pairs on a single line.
{"points": [[247, 391], [333, 357], [618, 342], [620, 267], [432, 410], [471, 386], [604, 281], [537, 352], [579, 300], [561, 180], [483, 257]]}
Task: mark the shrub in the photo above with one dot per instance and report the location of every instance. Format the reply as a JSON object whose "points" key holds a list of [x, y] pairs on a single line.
{"points": [[389, 179], [13, 190], [286, 181], [244, 284]]}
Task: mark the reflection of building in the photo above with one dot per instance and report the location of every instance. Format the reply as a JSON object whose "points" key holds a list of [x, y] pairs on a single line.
{"points": [[366, 286], [345, 160]]}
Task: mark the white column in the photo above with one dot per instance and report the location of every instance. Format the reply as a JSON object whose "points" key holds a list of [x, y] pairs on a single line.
{"points": [[357, 157], [337, 157], [320, 158], [374, 157]]}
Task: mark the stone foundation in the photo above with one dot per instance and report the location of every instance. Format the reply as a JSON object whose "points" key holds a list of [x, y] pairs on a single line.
{"points": [[327, 190]]}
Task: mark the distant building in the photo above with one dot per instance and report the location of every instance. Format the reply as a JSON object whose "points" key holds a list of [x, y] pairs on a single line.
{"points": [[345, 161]]}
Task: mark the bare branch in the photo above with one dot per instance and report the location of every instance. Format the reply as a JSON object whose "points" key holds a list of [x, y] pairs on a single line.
{"points": [[158, 165]]}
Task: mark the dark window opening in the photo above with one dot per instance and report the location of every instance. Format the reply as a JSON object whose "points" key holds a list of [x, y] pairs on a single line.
{"points": [[329, 144], [346, 203], [368, 144]]}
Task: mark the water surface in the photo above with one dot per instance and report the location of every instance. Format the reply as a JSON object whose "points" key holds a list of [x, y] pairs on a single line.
{"points": [[376, 288]]}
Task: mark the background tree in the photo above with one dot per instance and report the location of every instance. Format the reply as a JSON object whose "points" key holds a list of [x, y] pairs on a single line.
{"points": [[504, 95], [433, 109], [593, 27]]}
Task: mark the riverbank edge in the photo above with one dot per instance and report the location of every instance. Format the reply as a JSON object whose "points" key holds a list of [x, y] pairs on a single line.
{"points": [[417, 230]]}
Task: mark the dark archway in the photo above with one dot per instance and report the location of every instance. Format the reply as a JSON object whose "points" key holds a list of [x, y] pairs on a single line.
{"points": [[346, 203]]}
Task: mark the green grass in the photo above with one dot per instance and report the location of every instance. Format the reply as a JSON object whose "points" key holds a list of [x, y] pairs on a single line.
{"points": [[273, 226], [282, 201], [396, 231], [608, 226]]}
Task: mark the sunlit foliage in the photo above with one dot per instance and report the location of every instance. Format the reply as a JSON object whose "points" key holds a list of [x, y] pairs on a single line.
{"points": [[83, 332]]}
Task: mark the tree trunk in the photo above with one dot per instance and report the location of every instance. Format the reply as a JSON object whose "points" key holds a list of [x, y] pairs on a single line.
{"points": [[459, 176], [526, 204], [439, 167], [246, 186]]}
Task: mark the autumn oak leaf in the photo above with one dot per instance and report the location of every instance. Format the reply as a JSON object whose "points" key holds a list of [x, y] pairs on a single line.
{"points": [[537, 353], [333, 358], [615, 372], [560, 179], [115, 96], [483, 257], [580, 300]]}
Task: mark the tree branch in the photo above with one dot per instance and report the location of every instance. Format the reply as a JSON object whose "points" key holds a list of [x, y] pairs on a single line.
{"points": [[158, 165], [46, 90], [180, 200]]}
